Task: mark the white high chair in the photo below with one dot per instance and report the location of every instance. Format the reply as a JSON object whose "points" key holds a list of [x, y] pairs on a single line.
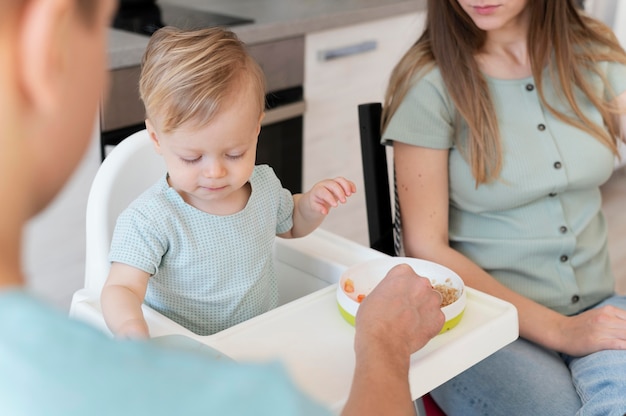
{"points": [[303, 265], [307, 335]]}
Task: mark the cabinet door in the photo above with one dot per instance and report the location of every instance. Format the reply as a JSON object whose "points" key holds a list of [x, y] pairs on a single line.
{"points": [[344, 68]]}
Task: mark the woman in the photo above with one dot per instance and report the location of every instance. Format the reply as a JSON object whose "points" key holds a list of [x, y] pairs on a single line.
{"points": [[505, 118]]}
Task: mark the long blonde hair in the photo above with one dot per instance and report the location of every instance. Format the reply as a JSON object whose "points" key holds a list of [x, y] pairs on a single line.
{"points": [[568, 40]]}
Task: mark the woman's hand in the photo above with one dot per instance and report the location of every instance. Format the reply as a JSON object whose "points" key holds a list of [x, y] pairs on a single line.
{"points": [[594, 330]]}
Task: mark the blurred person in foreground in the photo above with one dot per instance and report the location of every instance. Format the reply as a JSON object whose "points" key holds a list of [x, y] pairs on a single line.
{"points": [[52, 75]]}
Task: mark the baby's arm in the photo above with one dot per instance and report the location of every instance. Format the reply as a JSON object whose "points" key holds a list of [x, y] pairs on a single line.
{"points": [[121, 300], [310, 208]]}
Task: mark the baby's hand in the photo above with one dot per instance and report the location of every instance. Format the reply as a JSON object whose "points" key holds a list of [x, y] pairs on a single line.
{"points": [[329, 193], [134, 329]]}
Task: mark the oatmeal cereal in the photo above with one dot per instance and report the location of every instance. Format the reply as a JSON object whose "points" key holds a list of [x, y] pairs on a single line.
{"points": [[449, 294]]}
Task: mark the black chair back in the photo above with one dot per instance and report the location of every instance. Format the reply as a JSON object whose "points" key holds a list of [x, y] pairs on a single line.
{"points": [[380, 221]]}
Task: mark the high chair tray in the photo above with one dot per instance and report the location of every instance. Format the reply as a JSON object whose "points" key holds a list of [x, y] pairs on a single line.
{"points": [[315, 343]]}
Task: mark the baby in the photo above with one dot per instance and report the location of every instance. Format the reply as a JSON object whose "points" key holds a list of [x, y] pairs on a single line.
{"points": [[197, 245]]}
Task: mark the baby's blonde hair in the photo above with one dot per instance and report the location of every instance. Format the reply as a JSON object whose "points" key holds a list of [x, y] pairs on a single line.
{"points": [[186, 76]]}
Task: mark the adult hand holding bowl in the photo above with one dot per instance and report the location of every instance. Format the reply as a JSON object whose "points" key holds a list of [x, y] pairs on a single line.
{"points": [[359, 280]]}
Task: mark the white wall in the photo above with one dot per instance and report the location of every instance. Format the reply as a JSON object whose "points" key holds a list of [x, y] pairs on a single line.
{"points": [[54, 241], [613, 13]]}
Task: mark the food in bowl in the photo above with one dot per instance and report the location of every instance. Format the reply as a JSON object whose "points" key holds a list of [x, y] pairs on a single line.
{"points": [[348, 287], [449, 293], [359, 280]]}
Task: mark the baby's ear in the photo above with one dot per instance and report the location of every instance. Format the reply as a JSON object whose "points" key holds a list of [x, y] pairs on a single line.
{"points": [[45, 25], [261, 117], [153, 136]]}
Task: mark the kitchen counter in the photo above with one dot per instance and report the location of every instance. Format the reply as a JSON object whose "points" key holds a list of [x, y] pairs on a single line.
{"points": [[273, 19]]}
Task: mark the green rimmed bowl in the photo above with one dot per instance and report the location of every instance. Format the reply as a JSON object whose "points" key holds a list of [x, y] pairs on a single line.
{"points": [[365, 276]]}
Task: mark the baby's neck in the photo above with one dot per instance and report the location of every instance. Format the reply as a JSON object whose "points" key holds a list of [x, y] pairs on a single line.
{"points": [[232, 204]]}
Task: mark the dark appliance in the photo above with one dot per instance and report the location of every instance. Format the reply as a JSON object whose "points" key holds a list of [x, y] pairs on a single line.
{"points": [[282, 61], [145, 17]]}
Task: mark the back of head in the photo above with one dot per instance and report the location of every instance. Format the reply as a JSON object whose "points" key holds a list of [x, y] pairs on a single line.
{"points": [[187, 76], [10, 20], [42, 137], [25, 28]]}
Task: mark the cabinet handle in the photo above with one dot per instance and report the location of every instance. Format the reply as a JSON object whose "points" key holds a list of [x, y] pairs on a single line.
{"points": [[345, 51]]}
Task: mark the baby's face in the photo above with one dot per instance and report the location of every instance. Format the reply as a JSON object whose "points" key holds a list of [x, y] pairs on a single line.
{"points": [[211, 165]]}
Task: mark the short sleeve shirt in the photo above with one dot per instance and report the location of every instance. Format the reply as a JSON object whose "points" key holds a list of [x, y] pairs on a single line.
{"points": [[538, 229], [209, 272]]}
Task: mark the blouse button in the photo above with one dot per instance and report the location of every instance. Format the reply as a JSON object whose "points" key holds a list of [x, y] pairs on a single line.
{"points": [[557, 165], [541, 127], [552, 194], [564, 258], [530, 87], [563, 229], [575, 298]]}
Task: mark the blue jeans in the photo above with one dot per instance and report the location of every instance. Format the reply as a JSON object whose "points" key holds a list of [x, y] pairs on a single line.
{"points": [[526, 379]]}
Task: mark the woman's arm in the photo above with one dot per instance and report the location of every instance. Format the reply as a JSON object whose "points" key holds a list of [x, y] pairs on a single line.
{"points": [[620, 101], [121, 299], [422, 179]]}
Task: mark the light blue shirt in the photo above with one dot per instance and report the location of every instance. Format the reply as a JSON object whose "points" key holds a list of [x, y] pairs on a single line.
{"points": [[52, 366], [538, 229], [209, 272]]}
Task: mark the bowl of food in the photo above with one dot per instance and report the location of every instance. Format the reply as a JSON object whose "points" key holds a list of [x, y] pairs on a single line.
{"points": [[359, 280]]}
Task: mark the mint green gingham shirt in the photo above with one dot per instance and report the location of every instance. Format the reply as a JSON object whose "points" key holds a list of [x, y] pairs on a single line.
{"points": [[209, 272], [538, 229]]}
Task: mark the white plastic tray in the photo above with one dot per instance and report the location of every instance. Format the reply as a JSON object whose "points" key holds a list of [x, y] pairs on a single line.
{"points": [[315, 343], [312, 340]]}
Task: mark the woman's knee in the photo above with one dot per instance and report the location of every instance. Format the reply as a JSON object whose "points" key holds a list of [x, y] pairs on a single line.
{"points": [[522, 378]]}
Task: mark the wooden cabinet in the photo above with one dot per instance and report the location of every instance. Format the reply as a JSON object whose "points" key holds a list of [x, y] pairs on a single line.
{"points": [[344, 68]]}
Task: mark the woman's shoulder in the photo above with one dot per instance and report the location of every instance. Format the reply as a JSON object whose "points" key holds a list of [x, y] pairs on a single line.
{"points": [[428, 88], [428, 82], [429, 75]]}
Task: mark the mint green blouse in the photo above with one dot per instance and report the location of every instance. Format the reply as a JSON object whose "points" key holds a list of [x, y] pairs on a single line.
{"points": [[538, 229]]}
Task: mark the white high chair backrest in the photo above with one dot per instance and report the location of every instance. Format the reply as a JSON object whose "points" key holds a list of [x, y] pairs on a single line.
{"points": [[131, 167]]}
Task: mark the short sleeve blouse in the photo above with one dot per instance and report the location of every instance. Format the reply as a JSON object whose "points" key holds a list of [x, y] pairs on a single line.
{"points": [[538, 229]]}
